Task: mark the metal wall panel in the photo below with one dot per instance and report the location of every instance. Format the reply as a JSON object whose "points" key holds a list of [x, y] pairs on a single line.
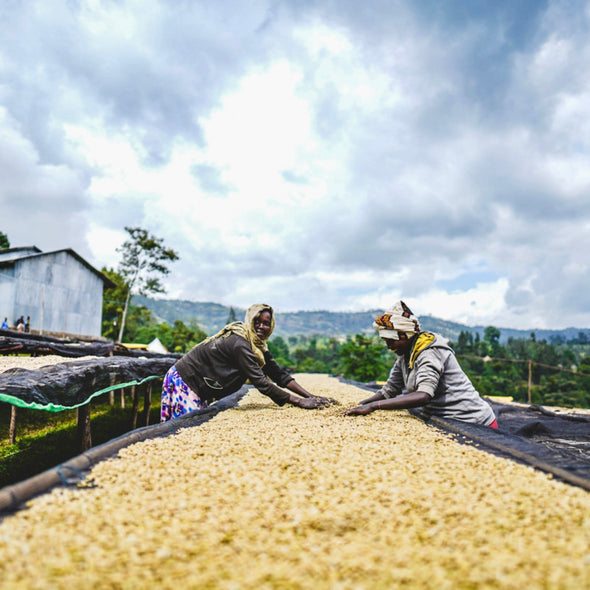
{"points": [[7, 289], [59, 293]]}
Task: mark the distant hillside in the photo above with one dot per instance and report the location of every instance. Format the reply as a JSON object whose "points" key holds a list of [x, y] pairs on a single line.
{"points": [[211, 317]]}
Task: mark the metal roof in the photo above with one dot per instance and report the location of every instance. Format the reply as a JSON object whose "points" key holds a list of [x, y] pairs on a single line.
{"points": [[36, 253]]}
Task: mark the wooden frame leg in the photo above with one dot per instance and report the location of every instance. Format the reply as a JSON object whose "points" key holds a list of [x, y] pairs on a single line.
{"points": [[134, 412], [84, 435], [12, 429], [147, 403], [113, 379]]}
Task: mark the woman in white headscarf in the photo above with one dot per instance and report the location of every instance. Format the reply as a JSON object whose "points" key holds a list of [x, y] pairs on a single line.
{"points": [[220, 365], [425, 374]]}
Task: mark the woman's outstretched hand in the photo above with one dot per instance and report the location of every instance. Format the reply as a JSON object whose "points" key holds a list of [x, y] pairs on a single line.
{"points": [[361, 410], [400, 402], [310, 403], [321, 402], [328, 401]]}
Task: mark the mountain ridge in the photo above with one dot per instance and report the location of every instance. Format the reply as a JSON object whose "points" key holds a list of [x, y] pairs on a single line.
{"points": [[211, 317]]}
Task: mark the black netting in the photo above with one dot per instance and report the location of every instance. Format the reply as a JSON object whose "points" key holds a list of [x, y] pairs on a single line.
{"points": [[70, 384]]}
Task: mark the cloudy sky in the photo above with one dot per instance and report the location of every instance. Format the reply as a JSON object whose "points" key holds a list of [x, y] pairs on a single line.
{"points": [[311, 154]]}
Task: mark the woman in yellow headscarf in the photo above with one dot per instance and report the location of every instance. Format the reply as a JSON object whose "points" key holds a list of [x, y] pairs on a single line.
{"points": [[220, 365]]}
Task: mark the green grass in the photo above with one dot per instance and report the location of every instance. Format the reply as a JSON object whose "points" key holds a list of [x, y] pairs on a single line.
{"points": [[45, 440]]}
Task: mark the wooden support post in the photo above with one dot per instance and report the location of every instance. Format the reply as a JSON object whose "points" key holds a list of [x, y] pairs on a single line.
{"points": [[530, 379], [12, 429], [113, 378], [122, 397], [147, 403], [84, 436], [135, 396]]}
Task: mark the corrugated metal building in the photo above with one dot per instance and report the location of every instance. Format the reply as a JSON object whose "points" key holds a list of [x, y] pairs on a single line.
{"points": [[60, 291]]}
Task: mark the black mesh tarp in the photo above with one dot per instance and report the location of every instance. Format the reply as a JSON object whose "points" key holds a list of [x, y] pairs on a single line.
{"points": [[42, 346], [12, 342], [74, 383]]}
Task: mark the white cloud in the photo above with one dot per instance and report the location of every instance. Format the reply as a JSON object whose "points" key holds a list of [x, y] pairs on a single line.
{"points": [[259, 128], [481, 304], [103, 243], [313, 156]]}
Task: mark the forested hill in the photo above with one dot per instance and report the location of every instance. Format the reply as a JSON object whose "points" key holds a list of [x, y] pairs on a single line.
{"points": [[211, 317]]}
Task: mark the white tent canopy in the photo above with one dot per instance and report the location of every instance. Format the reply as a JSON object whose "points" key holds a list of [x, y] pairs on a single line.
{"points": [[156, 346]]}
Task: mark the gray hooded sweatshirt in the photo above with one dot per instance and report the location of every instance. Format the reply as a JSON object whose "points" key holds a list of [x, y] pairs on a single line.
{"points": [[431, 367]]}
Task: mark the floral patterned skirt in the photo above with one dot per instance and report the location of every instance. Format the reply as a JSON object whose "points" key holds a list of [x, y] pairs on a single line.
{"points": [[177, 397]]}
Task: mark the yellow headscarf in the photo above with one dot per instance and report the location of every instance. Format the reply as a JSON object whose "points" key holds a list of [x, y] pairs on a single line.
{"points": [[246, 330]]}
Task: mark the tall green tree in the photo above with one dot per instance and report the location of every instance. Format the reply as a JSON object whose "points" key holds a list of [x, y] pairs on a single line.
{"points": [[464, 342], [4, 242], [280, 351], [362, 359], [492, 335], [112, 303], [112, 310], [144, 259]]}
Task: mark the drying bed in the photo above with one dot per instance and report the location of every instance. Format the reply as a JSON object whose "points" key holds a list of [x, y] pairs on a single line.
{"points": [[555, 440], [56, 384], [267, 497], [13, 342]]}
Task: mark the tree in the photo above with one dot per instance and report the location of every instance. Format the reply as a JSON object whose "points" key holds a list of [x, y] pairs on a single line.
{"points": [[584, 366], [113, 302], [310, 365], [176, 338], [184, 337], [4, 242], [518, 349], [362, 359], [232, 316], [144, 258], [280, 351], [568, 359], [465, 342], [492, 335]]}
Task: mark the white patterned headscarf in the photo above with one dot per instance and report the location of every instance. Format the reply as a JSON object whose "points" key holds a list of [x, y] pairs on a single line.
{"points": [[397, 323]]}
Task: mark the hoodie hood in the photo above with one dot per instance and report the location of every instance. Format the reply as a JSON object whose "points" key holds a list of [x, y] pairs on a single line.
{"points": [[426, 340]]}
